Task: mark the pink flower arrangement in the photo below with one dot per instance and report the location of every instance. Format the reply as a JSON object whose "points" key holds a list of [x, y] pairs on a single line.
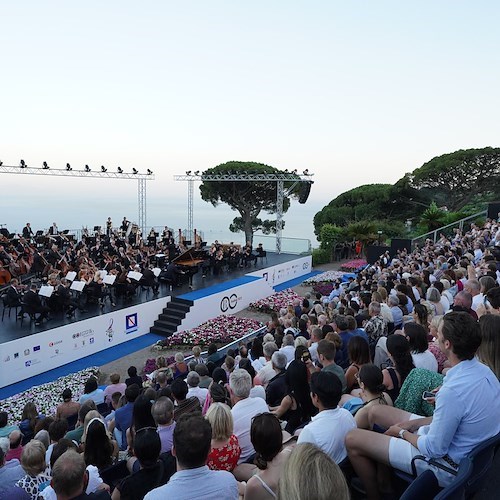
{"points": [[221, 330], [150, 365], [275, 302], [353, 265]]}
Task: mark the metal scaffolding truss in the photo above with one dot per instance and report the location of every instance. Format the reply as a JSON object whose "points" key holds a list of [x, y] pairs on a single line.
{"points": [[60, 172], [280, 178]]}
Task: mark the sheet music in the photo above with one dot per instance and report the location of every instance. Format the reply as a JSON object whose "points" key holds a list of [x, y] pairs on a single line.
{"points": [[134, 275], [109, 279], [46, 290], [158, 255], [71, 276], [156, 271], [103, 273], [78, 285]]}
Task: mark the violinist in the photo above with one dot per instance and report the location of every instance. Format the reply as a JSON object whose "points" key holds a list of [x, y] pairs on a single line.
{"points": [[14, 296], [66, 300], [28, 232]]}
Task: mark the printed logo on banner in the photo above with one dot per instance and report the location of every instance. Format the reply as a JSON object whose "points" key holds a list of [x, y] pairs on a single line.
{"points": [[27, 363], [16, 355], [130, 323], [91, 340], [36, 348], [52, 344], [228, 302], [84, 333], [305, 265], [110, 332], [7, 358], [26, 352]]}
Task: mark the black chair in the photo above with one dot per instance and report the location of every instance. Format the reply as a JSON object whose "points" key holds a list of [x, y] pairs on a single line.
{"points": [[8, 305], [424, 487]]}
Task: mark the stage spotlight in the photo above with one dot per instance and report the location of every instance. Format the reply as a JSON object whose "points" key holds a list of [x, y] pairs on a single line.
{"points": [[294, 171], [22, 164], [188, 172], [197, 172], [1, 163], [150, 172], [45, 166], [87, 168], [68, 167], [305, 172], [120, 171], [103, 169], [135, 171]]}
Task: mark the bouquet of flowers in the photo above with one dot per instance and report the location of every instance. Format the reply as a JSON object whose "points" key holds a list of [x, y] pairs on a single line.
{"points": [[353, 265], [275, 302], [221, 330], [47, 397]]}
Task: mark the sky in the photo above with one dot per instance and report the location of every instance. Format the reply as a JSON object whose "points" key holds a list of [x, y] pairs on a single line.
{"points": [[356, 92]]}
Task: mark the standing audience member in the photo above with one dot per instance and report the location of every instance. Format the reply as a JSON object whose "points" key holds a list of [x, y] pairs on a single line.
{"points": [[115, 386], [68, 407], [193, 479]]}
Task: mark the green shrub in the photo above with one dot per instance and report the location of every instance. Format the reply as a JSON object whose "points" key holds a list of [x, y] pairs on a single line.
{"points": [[320, 256]]}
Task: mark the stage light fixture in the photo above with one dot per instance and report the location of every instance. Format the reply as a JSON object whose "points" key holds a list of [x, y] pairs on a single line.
{"points": [[22, 164], [294, 171], [197, 172], [103, 169], [150, 172], [87, 168], [120, 170], [68, 167], [135, 171], [1, 163], [45, 166], [305, 172], [188, 172]]}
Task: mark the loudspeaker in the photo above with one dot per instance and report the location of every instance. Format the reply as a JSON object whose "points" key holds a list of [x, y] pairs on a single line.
{"points": [[373, 252], [304, 190], [493, 210], [399, 244]]}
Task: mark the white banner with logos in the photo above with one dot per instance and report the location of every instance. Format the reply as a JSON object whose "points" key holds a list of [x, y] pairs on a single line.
{"points": [[280, 273], [40, 352]]}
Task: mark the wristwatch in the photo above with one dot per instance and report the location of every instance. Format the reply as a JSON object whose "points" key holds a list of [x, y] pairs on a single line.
{"points": [[402, 433]]}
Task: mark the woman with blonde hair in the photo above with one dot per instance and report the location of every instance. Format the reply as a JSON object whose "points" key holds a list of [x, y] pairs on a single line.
{"points": [[225, 450], [311, 473], [33, 463]]}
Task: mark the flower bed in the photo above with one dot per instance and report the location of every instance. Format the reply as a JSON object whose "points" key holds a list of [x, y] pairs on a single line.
{"points": [[326, 277], [150, 365], [47, 396], [354, 265], [275, 302], [221, 330]]}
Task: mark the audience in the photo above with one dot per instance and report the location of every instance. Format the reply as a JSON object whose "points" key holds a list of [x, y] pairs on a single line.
{"points": [[68, 407], [163, 414], [183, 404]]}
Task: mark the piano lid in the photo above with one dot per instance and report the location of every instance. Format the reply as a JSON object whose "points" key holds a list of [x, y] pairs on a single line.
{"points": [[191, 255]]}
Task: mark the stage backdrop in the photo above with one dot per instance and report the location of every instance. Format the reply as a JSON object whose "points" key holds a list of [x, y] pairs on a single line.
{"points": [[275, 275]]}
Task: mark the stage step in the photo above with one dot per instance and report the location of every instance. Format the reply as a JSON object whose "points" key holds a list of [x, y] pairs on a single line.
{"points": [[171, 317]]}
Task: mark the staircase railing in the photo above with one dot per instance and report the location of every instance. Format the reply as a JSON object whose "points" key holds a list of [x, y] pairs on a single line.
{"points": [[458, 223]]}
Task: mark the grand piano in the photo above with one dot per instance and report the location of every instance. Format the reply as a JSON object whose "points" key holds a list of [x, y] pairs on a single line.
{"points": [[190, 262]]}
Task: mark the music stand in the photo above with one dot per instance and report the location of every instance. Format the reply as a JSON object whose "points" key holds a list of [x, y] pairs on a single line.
{"points": [[38, 234], [187, 242]]}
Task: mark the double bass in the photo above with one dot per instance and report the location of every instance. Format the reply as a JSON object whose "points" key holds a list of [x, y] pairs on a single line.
{"points": [[5, 275]]}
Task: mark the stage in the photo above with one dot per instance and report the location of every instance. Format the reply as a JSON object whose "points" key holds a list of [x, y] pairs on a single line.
{"points": [[28, 350]]}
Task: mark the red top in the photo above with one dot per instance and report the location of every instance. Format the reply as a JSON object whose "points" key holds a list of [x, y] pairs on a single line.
{"points": [[225, 458]]}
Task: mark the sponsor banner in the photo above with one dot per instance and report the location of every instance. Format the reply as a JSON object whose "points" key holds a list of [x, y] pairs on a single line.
{"points": [[286, 271], [40, 352]]}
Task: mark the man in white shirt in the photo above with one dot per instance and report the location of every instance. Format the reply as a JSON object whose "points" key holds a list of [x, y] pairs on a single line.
{"points": [[244, 409], [474, 288], [288, 347], [193, 382], [328, 429], [268, 372]]}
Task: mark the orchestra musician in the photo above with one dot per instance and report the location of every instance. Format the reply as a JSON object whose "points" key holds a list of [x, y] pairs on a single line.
{"points": [[109, 227], [28, 232], [14, 296], [53, 231], [32, 304]]}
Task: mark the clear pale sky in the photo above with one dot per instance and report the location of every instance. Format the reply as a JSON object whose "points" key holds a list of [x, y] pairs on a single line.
{"points": [[357, 92]]}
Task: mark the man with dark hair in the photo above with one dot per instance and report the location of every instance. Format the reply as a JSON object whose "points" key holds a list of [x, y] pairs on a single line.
{"points": [[77, 433], [57, 430], [327, 430], [342, 357], [123, 415], [184, 404], [466, 413], [193, 479], [326, 356]]}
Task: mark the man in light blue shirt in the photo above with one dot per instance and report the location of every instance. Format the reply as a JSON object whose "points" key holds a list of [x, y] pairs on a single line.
{"points": [[193, 479], [8, 475], [466, 414]]}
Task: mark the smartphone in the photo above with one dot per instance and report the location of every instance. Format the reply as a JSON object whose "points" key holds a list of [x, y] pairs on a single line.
{"points": [[428, 395], [305, 357]]}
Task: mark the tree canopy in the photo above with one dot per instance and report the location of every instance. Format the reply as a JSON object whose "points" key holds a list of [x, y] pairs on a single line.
{"points": [[248, 198], [460, 176]]}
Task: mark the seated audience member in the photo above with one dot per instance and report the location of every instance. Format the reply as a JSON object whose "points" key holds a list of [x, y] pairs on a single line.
{"points": [[77, 433], [115, 386], [434, 344], [183, 403], [371, 393], [205, 378], [197, 355], [6, 429], [326, 356], [92, 391], [267, 440], [29, 420], [179, 368], [193, 382], [133, 377], [399, 353], [33, 463], [359, 355], [99, 449], [15, 446], [150, 475], [328, 428], [193, 479], [287, 348], [70, 478], [276, 389], [311, 473], [466, 413], [257, 390], [342, 356], [163, 414], [317, 335], [463, 303], [123, 415], [244, 409], [267, 372], [225, 450], [489, 350], [419, 347], [68, 407], [57, 430], [9, 475]]}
